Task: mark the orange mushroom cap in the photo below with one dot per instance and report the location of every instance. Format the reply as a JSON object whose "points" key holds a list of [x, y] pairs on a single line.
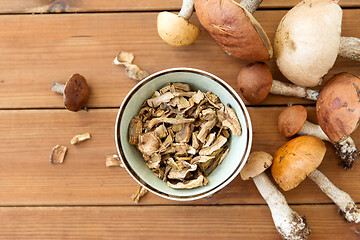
{"points": [[296, 159], [291, 120], [76, 93]]}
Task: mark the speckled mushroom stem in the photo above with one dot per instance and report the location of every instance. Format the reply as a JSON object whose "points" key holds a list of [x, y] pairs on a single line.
{"points": [[343, 200], [346, 150], [291, 90], [187, 9], [58, 87], [350, 48], [288, 222], [250, 5]]}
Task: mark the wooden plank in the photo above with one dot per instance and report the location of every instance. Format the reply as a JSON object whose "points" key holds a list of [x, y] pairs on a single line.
{"points": [[54, 6], [165, 222], [27, 177], [33, 56]]}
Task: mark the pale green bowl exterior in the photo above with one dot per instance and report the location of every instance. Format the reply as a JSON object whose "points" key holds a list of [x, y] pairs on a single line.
{"points": [[133, 161]]}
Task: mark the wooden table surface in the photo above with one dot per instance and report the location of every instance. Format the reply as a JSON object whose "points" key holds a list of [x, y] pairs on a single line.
{"points": [[43, 41]]}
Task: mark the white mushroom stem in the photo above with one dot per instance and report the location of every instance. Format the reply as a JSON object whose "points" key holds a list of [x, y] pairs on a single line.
{"points": [[291, 90], [288, 222], [187, 9], [350, 48], [250, 5], [343, 200], [58, 87], [346, 150]]}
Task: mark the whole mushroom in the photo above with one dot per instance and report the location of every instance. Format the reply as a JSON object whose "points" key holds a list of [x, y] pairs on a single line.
{"points": [[308, 41], [234, 28], [255, 83], [176, 30], [298, 159], [75, 92], [292, 120], [288, 222], [338, 108]]}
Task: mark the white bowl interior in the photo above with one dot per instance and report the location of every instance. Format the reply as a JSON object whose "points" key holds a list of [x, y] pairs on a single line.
{"points": [[133, 159]]}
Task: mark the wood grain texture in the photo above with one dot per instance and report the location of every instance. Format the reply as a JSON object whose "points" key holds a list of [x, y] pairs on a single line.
{"points": [[27, 177], [55, 6], [87, 44], [165, 222]]}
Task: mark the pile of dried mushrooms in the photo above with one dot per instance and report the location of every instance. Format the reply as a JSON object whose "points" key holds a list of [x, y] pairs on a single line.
{"points": [[183, 135]]}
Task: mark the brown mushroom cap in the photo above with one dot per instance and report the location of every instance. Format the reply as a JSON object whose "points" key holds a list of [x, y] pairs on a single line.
{"points": [[175, 30], [296, 159], [76, 92], [338, 106], [254, 81], [291, 120], [257, 163], [235, 30]]}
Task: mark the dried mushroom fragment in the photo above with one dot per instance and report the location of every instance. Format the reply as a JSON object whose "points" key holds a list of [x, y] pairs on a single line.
{"points": [[149, 143], [141, 191], [199, 181], [80, 138], [135, 130], [228, 118], [131, 70], [58, 154], [113, 160], [181, 136]]}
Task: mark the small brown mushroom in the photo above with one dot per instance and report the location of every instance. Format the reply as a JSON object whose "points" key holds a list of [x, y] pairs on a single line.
{"points": [[298, 159], [234, 28], [75, 92], [289, 223], [292, 120], [255, 82], [176, 30], [58, 154]]}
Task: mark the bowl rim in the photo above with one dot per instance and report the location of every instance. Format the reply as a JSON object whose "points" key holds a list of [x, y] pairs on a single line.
{"points": [[141, 182]]}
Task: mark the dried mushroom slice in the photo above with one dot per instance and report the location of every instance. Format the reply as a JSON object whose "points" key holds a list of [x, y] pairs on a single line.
{"points": [[229, 119], [156, 101], [113, 160], [189, 184], [182, 172], [135, 130], [219, 142], [205, 128], [141, 191], [184, 135], [58, 154], [161, 131], [198, 97], [149, 143], [150, 124]]}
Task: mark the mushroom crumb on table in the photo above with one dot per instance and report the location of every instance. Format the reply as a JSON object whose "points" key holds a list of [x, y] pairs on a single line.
{"points": [[183, 135]]}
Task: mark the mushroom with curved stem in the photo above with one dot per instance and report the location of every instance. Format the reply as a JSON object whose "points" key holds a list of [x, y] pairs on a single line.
{"points": [[255, 83], [75, 92], [176, 30], [288, 222], [310, 35], [292, 120], [234, 28], [338, 107], [299, 158]]}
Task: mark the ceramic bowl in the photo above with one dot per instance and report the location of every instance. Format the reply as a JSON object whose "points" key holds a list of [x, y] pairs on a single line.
{"points": [[197, 79]]}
